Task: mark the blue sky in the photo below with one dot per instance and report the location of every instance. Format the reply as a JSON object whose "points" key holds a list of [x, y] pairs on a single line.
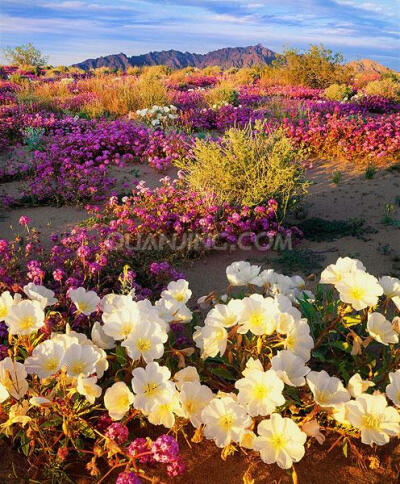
{"points": [[73, 30]]}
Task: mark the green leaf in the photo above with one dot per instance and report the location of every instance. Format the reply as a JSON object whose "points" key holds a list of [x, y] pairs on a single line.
{"points": [[120, 353], [223, 373], [55, 422], [342, 345]]}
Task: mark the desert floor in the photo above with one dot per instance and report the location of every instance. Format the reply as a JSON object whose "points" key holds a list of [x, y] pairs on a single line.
{"points": [[376, 241]]}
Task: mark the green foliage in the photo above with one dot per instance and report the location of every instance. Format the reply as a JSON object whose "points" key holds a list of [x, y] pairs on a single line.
{"points": [[224, 93], [318, 67], [338, 92], [336, 178], [370, 171], [388, 88], [33, 137], [25, 55], [150, 91], [298, 260], [319, 229], [248, 166]]}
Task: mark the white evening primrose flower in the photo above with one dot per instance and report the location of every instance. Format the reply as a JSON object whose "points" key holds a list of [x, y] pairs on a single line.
{"points": [[339, 413], [282, 285], [85, 301], [25, 317], [312, 429], [374, 418], [100, 338], [3, 393], [290, 368], [393, 389], [285, 306], [46, 359], [164, 411], [251, 365], [111, 302], [80, 359], [13, 378], [170, 310], [186, 375], [280, 441], [117, 400], [298, 339], [224, 421], [357, 385], [119, 323], [381, 329], [194, 397], [268, 277], [242, 273], [211, 339], [226, 315], [334, 273], [6, 301], [87, 387], [247, 439], [39, 293], [146, 341], [260, 392], [328, 390], [178, 291], [259, 315], [391, 289], [150, 385], [359, 289], [40, 402]]}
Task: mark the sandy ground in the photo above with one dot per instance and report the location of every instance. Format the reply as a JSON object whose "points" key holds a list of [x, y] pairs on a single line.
{"points": [[353, 197]]}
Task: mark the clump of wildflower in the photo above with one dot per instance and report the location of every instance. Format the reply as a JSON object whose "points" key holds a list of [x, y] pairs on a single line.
{"points": [[118, 432]]}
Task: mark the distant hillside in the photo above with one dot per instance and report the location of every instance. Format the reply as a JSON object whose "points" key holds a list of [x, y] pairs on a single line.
{"points": [[227, 57], [368, 65]]}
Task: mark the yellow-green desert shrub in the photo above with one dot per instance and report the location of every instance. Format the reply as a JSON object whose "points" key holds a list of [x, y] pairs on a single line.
{"points": [[223, 93], [388, 88], [248, 166], [338, 92]]}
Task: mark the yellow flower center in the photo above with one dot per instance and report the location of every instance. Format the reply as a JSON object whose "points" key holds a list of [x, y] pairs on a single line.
{"points": [[290, 341], [260, 391], [278, 441], [89, 389], [229, 320], [357, 293], [51, 364], [143, 344], [3, 311], [126, 329], [150, 389], [123, 401], [398, 397], [371, 421], [83, 306], [323, 396], [27, 322], [191, 406], [256, 319], [226, 422], [179, 296], [77, 367]]}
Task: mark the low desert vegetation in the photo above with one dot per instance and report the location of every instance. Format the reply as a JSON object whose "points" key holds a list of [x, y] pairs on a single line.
{"points": [[247, 166], [111, 369]]}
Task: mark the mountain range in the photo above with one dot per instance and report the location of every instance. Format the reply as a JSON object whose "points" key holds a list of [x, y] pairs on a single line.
{"points": [[225, 58]]}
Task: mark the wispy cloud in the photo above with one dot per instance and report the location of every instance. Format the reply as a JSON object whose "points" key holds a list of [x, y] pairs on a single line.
{"points": [[71, 30]]}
